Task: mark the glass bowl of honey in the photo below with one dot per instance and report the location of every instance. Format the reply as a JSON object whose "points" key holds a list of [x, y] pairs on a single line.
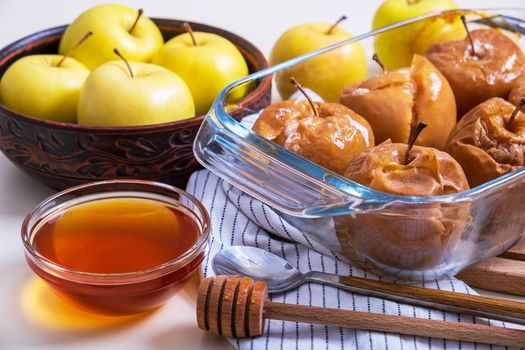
{"points": [[116, 247]]}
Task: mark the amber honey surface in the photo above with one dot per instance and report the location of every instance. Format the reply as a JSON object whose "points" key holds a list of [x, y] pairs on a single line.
{"points": [[116, 235]]}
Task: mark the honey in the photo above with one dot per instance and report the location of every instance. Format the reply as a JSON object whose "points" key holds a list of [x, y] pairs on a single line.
{"points": [[116, 252], [116, 235]]}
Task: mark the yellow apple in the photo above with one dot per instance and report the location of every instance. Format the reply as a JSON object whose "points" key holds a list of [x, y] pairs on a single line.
{"points": [[396, 47], [326, 74], [36, 86], [111, 96], [112, 26], [207, 63]]}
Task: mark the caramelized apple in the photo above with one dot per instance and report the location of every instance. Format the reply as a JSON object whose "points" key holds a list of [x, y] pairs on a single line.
{"points": [[487, 143], [395, 102], [405, 236], [429, 172], [331, 137], [476, 73]]}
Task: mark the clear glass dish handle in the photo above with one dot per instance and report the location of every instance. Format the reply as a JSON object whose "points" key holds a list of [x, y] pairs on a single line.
{"points": [[245, 163]]}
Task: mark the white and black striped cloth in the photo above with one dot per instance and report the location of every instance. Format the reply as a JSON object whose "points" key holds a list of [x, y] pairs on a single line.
{"points": [[238, 219]]}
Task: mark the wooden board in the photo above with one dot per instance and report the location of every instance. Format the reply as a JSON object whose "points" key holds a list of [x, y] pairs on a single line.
{"points": [[505, 273]]}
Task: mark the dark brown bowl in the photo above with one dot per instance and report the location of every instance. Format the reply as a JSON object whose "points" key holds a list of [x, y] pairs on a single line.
{"points": [[62, 155]]}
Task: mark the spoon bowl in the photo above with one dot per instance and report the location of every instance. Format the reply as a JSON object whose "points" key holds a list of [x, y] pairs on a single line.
{"points": [[277, 273]]}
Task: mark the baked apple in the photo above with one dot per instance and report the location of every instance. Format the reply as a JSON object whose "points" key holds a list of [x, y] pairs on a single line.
{"points": [[402, 235], [429, 172], [328, 134], [476, 72], [489, 141], [395, 102]]}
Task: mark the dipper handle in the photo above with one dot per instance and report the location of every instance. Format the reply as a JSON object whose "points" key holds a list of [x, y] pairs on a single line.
{"points": [[234, 306]]}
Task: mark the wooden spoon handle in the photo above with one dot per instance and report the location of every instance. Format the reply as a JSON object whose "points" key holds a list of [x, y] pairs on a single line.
{"points": [[395, 324], [476, 303]]}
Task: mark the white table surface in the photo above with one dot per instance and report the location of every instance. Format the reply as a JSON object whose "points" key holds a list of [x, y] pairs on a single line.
{"points": [[32, 317]]}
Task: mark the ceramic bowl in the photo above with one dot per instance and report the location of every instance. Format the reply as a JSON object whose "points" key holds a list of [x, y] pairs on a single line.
{"points": [[62, 155]]}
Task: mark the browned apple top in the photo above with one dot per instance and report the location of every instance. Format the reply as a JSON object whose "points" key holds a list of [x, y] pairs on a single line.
{"points": [[331, 137], [429, 172], [486, 144], [496, 57], [478, 75]]}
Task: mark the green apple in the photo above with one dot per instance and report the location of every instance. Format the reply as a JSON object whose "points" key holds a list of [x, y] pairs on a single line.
{"points": [[44, 86], [207, 62], [112, 26], [116, 94], [396, 47], [326, 74]]}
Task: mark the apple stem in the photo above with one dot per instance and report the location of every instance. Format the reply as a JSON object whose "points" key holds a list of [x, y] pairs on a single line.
{"points": [[117, 52], [329, 31], [412, 2], [376, 58], [518, 108], [139, 14], [84, 38], [188, 29], [300, 88], [464, 20], [412, 139]]}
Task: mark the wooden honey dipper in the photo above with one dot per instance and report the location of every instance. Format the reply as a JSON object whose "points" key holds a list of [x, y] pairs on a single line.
{"points": [[234, 306]]}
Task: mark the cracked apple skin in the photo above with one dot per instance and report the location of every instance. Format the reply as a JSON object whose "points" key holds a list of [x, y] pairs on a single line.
{"points": [[491, 72], [429, 172], [406, 236], [332, 139], [517, 92], [484, 145], [395, 102]]}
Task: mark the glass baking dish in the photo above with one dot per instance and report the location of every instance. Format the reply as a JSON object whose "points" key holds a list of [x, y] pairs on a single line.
{"points": [[401, 237]]}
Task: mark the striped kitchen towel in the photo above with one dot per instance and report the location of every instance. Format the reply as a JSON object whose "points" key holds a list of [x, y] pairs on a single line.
{"points": [[238, 219]]}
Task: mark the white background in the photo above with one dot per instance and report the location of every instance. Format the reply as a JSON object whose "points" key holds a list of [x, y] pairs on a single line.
{"points": [[29, 315]]}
